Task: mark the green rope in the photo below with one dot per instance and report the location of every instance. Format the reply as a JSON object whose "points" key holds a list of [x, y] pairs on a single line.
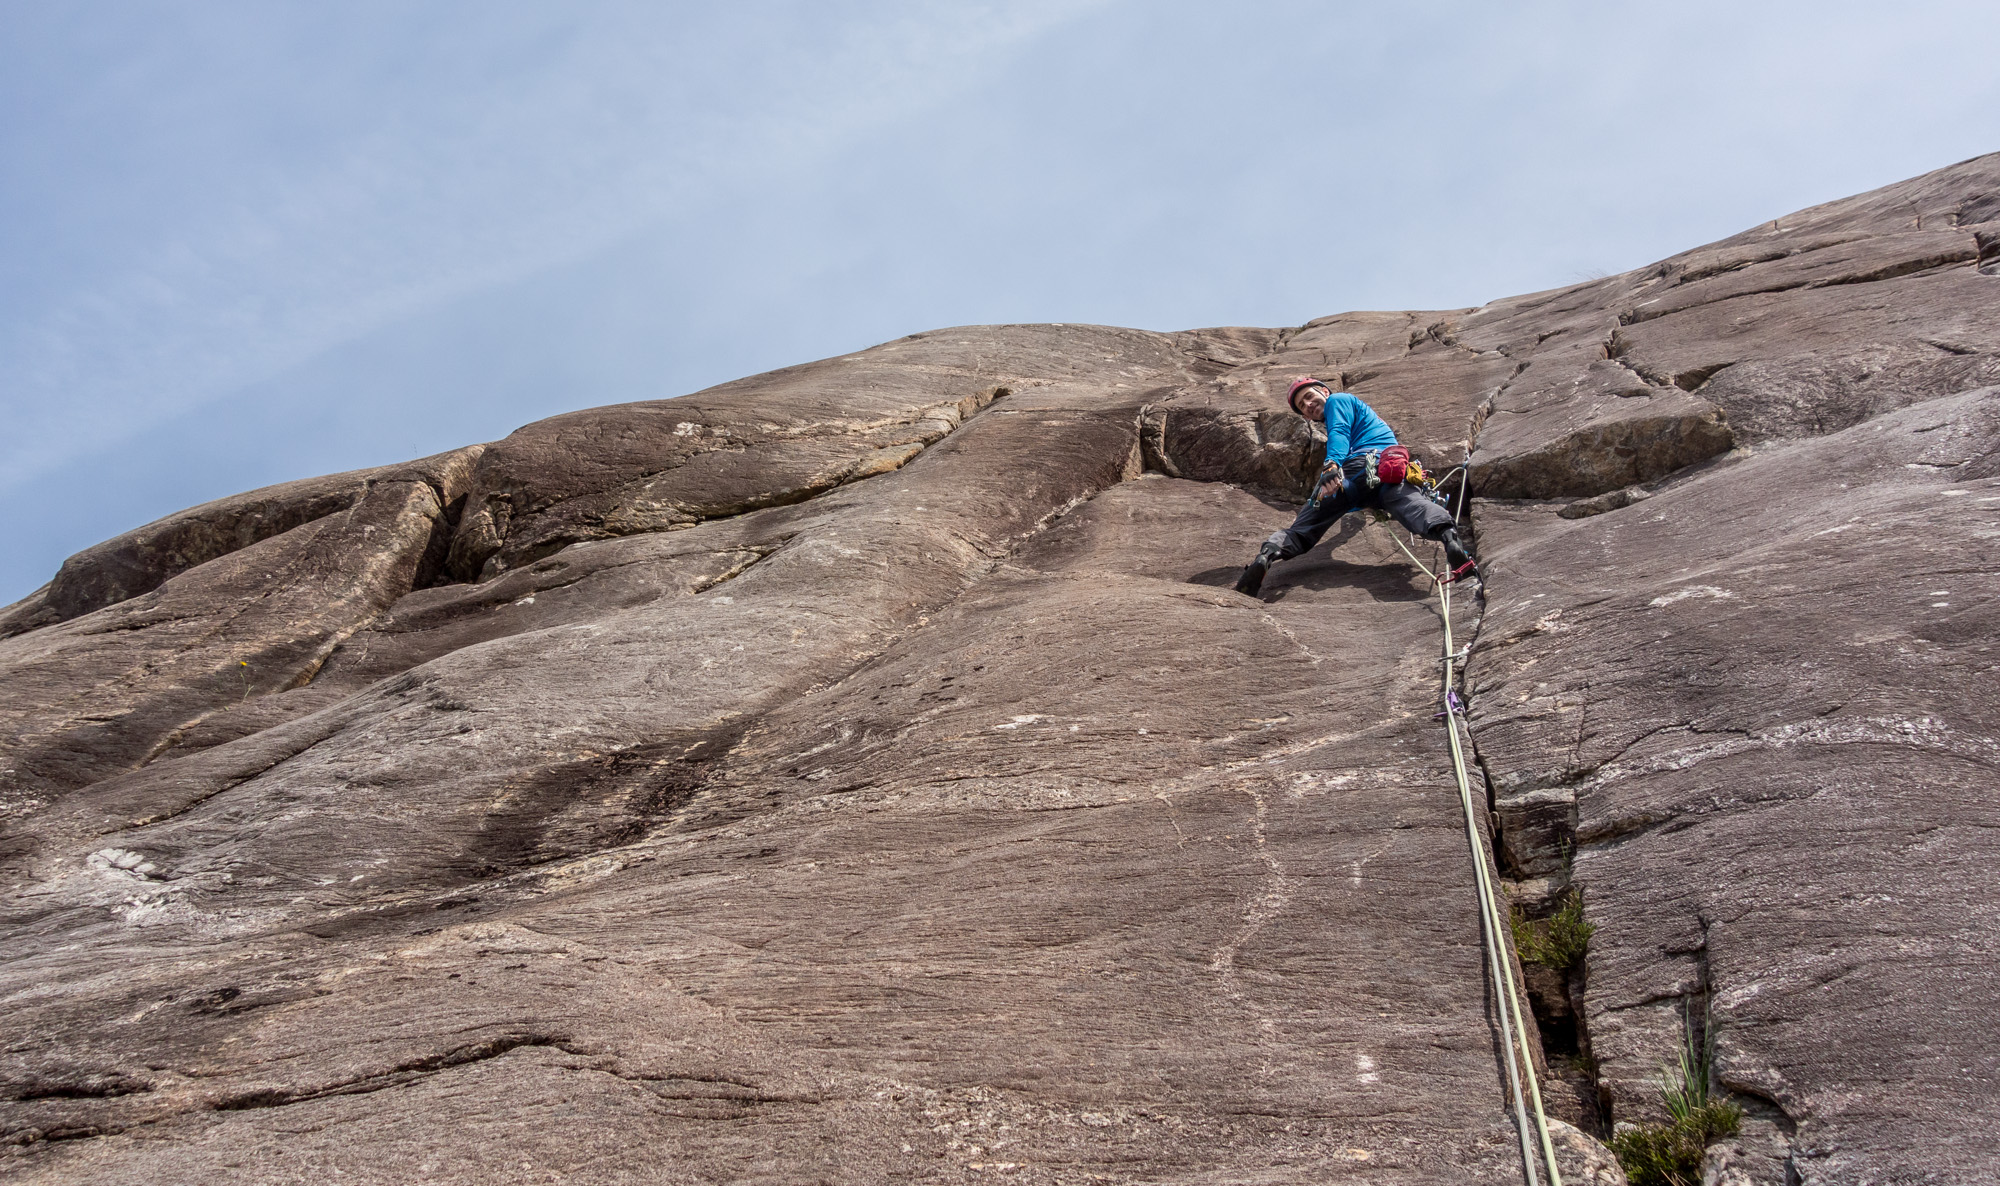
{"points": [[1504, 987]]}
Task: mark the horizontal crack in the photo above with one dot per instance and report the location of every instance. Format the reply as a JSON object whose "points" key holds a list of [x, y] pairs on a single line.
{"points": [[395, 1077], [1895, 271]]}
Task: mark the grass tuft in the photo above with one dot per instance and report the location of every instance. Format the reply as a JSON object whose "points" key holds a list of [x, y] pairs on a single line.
{"points": [[1670, 1154], [1558, 942]]}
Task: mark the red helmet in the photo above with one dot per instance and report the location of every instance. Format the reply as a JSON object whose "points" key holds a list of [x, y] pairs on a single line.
{"points": [[1299, 384]]}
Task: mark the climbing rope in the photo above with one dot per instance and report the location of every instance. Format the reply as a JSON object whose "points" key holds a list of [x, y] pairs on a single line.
{"points": [[1507, 994]]}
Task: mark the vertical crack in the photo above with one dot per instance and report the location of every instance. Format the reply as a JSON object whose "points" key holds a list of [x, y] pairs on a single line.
{"points": [[1550, 937]]}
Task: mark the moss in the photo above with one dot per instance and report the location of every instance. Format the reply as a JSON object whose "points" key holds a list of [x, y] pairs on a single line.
{"points": [[1670, 1154], [1559, 941]]}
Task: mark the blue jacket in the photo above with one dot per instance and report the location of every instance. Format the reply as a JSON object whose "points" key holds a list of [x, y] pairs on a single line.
{"points": [[1353, 427]]}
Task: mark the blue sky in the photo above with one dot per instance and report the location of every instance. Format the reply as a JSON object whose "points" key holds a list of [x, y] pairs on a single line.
{"points": [[243, 243]]}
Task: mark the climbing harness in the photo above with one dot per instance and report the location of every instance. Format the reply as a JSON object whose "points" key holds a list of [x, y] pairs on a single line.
{"points": [[1380, 467], [1507, 1003]]}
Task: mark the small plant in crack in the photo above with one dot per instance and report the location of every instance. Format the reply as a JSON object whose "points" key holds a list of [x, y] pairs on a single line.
{"points": [[1670, 1154], [1559, 941], [243, 673]]}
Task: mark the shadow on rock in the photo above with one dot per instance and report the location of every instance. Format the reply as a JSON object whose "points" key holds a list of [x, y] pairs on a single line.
{"points": [[1382, 583], [1220, 578]]}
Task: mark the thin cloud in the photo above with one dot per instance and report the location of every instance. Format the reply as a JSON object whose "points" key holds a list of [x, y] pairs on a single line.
{"points": [[435, 158]]}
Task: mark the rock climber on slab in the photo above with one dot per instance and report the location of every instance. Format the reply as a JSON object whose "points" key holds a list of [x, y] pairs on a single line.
{"points": [[1365, 468]]}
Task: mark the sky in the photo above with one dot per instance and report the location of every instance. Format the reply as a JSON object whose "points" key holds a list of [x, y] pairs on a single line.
{"points": [[242, 243]]}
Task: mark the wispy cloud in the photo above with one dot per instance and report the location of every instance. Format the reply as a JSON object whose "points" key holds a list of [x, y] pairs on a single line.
{"points": [[295, 179]]}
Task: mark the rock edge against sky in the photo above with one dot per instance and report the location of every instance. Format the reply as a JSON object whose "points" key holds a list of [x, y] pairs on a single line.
{"points": [[864, 771]]}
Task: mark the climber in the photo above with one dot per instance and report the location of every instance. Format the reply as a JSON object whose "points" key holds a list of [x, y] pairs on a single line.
{"points": [[1365, 468]]}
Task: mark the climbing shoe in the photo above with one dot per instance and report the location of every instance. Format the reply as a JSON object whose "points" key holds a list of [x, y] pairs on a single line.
{"points": [[1459, 559], [1253, 572]]}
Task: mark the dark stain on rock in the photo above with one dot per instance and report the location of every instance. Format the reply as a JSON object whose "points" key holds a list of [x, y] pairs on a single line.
{"points": [[587, 804]]}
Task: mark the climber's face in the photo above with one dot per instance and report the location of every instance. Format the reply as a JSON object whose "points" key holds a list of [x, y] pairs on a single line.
{"points": [[1312, 401]]}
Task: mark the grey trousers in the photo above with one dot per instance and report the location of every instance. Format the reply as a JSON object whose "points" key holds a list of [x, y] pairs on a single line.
{"points": [[1401, 500]]}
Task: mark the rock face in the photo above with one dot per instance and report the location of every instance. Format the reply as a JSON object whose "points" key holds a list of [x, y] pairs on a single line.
{"points": [[864, 772]]}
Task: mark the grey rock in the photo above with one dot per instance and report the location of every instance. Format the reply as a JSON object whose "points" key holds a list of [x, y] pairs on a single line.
{"points": [[1759, 1155], [1582, 1158], [1748, 751], [864, 772], [1618, 499]]}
